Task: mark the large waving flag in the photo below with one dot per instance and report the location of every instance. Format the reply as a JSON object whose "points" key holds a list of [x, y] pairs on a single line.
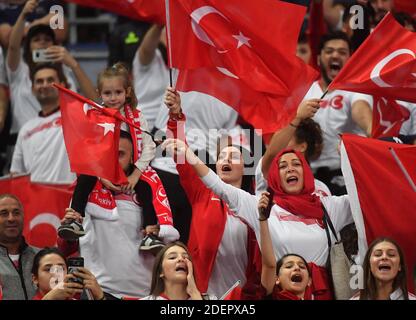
{"points": [[44, 207], [380, 179], [147, 10], [384, 65], [91, 137], [243, 53]]}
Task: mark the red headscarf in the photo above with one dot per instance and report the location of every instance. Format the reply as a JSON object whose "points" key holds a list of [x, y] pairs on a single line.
{"points": [[303, 204]]}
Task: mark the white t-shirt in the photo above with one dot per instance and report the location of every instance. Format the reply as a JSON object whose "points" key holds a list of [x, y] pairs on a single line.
{"points": [[150, 83], [110, 248], [205, 117], [24, 105], [3, 79], [321, 188], [40, 150], [231, 260], [290, 233], [334, 117]]}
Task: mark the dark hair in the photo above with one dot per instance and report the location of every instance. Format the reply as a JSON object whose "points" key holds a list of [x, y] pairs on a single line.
{"points": [[33, 31], [279, 263], [119, 70], [158, 284], [48, 65], [126, 135], [38, 257], [337, 35], [303, 38], [370, 290], [310, 132]]}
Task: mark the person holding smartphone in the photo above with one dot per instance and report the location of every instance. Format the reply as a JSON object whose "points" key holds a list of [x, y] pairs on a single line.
{"points": [[24, 105], [54, 282]]}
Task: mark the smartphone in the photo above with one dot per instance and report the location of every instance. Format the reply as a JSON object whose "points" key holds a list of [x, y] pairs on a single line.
{"points": [[73, 264], [39, 55]]}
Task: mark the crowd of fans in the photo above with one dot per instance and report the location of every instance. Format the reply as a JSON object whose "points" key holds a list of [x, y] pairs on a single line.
{"points": [[214, 227]]}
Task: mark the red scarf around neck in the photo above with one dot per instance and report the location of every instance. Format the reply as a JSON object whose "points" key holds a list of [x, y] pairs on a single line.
{"points": [[160, 200], [303, 204]]}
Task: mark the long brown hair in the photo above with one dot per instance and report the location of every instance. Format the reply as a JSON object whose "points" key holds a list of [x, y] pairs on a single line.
{"points": [[158, 283], [370, 289], [119, 70]]}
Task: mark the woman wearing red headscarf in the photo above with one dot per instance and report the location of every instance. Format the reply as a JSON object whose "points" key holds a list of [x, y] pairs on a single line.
{"points": [[296, 217]]}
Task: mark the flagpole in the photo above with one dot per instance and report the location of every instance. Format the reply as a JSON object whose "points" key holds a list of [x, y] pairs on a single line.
{"points": [[235, 285], [403, 169], [324, 94], [168, 37], [103, 110]]}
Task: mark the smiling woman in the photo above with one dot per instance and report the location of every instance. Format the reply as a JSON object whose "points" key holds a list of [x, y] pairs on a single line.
{"points": [[384, 272], [296, 216]]}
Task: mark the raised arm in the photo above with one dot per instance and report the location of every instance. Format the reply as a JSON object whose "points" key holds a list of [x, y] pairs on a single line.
{"points": [[147, 49], [363, 116], [240, 202], [189, 179], [16, 35], [280, 139], [4, 106], [61, 54], [268, 259]]}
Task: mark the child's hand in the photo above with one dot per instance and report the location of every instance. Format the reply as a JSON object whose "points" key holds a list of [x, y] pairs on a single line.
{"points": [[132, 181], [172, 100]]}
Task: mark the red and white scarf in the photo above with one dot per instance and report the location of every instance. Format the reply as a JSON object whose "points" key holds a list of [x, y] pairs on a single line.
{"points": [[101, 202], [150, 176]]}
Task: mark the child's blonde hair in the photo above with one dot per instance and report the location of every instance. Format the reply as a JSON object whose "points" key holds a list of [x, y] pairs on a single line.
{"points": [[119, 70]]}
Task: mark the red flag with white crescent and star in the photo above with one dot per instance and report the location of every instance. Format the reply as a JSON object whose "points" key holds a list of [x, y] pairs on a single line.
{"points": [[44, 206], [380, 178], [243, 53], [384, 65], [91, 138]]}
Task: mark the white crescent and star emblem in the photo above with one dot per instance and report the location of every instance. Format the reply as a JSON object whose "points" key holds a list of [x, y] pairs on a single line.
{"points": [[45, 218], [86, 108], [201, 12], [107, 127], [375, 73]]}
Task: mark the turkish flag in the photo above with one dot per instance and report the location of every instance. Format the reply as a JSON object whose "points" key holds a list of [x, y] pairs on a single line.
{"points": [[388, 117], [254, 40], [147, 10], [384, 65], [91, 137], [380, 178], [44, 206], [242, 53], [405, 6]]}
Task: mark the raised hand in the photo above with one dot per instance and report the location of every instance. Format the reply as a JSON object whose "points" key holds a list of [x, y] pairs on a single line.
{"points": [[172, 99]]}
